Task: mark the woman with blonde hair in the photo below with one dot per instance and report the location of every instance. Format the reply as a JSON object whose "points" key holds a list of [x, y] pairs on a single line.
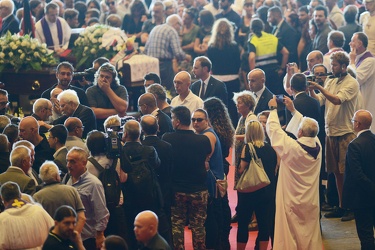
{"points": [[261, 201], [224, 54]]}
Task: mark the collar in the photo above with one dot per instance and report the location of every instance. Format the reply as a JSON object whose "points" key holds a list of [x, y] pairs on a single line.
{"points": [[17, 169], [50, 23], [5, 18], [57, 151], [207, 80], [297, 94], [360, 55], [80, 178], [279, 24], [75, 109], [16, 203], [362, 131], [155, 112], [260, 92]]}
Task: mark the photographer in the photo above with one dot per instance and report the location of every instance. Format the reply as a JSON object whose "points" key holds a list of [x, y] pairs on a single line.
{"points": [[98, 146], [86, 78], [340, 94]]}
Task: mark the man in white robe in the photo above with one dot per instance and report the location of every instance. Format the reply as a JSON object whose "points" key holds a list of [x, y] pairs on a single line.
{"points": [[53, 30], [363, 62], [297, 196]]}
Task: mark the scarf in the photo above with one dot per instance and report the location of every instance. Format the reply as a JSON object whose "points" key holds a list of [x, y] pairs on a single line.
{"points": [[311, 151], [47, 32]]}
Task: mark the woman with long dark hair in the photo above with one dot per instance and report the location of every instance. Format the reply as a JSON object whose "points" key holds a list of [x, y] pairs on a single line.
{"points": [[133, 22], [222, 125]]}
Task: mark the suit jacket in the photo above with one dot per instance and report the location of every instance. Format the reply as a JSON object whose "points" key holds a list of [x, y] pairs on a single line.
{"points": [[307, 106], [263, 101], [10, 24], [215, 88], [165, 123], [289, 37], [15, 174], [359, 178], [164, 151], [85, 114], [60, 160]]}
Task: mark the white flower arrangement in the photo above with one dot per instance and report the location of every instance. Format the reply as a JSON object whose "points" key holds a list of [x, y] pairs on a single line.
{"points": [[24, 53], [98, 41]]}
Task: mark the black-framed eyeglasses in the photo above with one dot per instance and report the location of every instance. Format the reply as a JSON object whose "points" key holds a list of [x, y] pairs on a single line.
{"points": [[197, 119]]}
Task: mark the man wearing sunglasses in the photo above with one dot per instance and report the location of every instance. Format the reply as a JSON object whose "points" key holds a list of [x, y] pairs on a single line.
{"points": [[112, 9]]}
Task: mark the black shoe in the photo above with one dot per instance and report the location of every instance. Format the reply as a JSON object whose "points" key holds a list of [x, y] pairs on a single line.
{"points": [[326, 207], [348, 216], [337, 212], [234, 219]]}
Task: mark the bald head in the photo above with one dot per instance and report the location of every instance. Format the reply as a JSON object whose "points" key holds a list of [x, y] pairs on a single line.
{"points": [[74, 126], [149, 125], [29, 129], [132, 131], [145, 226], [362, 120], [55, 92], [313, 58], [256, 79], [147, 103], [182, 81]]}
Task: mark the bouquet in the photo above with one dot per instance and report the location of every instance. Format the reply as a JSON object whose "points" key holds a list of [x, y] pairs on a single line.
{"points": [[98, 41], [23, 52]]}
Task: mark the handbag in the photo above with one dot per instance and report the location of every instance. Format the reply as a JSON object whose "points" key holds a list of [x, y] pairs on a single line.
{"points": [[254, 177], [220, 185]]}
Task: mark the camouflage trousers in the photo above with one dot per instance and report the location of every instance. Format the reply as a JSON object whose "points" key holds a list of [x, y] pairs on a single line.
{"points": [[194, 206]]}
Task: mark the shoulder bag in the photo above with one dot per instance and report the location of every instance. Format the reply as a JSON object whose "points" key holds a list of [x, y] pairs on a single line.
{"points": [[254, 177]]}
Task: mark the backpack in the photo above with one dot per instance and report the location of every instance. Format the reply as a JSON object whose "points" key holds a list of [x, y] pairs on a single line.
{"points": [[110, 181], [141, 183]]}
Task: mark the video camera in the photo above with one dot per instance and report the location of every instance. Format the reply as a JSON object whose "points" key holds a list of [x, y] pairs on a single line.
{"points": [[317, 78], [114, 137], [88, 74]]}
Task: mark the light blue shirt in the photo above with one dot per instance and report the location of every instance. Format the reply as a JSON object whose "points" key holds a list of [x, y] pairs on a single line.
{"points": [[92, 195]]}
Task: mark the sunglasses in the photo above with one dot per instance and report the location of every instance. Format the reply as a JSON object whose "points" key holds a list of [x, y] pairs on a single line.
{"points": [[109, 3], [197, 119]]}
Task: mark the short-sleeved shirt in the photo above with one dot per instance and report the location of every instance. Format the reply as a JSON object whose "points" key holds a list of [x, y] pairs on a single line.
{"points": [[192, 102], [98, 99], [338, 117]]}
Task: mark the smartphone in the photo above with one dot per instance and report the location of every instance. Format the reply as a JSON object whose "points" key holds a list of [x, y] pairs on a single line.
{"points": [[280, 98]]}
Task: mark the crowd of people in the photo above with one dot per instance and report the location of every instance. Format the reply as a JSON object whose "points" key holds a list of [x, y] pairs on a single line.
{"points": [[293, 79]]}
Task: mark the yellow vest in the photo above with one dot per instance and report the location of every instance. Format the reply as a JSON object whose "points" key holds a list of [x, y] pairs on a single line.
{"points": [[265, 49]]}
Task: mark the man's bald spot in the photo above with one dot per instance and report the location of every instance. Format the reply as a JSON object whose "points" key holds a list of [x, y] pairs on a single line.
{"points": [[56, 91], [149, 217], [29, 122], [184, 76], [315, 54], [258, 73], [131, 125], [148, 99], [364, 117], [72, 121], [149, 120]]}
